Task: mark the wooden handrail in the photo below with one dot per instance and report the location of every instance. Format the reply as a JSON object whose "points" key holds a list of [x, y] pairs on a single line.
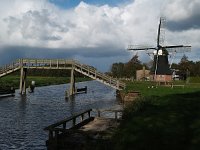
{"points": [[72, 118], [62, 64], [60, 127], [99, 111], [54, 128]]}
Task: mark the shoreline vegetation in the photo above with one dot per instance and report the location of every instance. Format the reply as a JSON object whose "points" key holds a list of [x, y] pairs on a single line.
{"points": [[163, 118], [14, 80]]}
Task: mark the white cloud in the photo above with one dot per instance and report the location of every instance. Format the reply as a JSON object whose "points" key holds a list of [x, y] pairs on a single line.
{"points": [[43, 24], [182, 9], [38, 23]]}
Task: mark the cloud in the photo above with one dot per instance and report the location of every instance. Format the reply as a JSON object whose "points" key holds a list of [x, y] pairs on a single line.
{"points": [[183, 25], [84, 26], [40, 28], [185, 15], [99, 58], [192, 22], [34, 25]]}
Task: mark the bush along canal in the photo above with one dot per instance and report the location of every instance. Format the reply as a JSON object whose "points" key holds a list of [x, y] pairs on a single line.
{"points": [[167, 122]]}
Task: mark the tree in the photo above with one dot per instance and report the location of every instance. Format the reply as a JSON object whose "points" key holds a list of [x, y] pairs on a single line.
{"points": [[197, 69], [184, 65], [117, 69], [131, 66], [184, 59], [126, 69]]}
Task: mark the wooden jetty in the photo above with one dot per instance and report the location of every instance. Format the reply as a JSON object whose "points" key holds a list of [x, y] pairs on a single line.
{"points": [[85, 131], [77, 91], [81, 90], [25, 64]]}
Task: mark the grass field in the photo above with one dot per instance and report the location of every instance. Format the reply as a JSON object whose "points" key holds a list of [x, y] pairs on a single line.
{"points": [[13, 80], [163, 119], [146, 88]]}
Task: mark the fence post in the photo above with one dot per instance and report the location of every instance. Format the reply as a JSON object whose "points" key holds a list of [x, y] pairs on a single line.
{"points": [[99, 113]]}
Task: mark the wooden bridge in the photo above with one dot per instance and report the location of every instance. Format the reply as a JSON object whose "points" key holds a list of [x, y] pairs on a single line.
{"points": [[89, 71], [91, 129]]}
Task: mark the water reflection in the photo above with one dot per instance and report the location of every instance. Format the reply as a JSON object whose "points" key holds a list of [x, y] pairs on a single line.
{"points": [[71, 101], [23, 118]]}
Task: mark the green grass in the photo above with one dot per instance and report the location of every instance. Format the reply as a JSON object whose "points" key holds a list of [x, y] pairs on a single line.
{"points": [[163, 119], [195, 79], [146, 88], [13, 80]]}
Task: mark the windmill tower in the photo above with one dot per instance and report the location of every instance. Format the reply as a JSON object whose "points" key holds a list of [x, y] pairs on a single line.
{"points": [[161, 71]]}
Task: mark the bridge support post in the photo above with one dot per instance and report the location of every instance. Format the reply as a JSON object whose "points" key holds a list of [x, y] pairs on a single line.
{"points": [[23, 81], [72, 83]]}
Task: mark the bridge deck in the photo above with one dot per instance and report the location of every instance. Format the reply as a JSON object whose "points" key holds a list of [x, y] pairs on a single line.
{"points": [[86, 70]]}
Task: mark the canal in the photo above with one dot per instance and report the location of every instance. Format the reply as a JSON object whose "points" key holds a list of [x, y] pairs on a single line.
{"points": [[22, 119]]}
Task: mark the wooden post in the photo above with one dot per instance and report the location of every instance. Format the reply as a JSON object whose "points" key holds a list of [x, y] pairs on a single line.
{"points": [[144, 75], [36, 63], [72, 83], [50, 64], [81, 68], [88, 70], [99, 113], [64, 125], [57, 63], [50, 134], [82, 117], [118, 84], [89, 114], [95, 75], [115, 115], [23, 80], [74, 121]]}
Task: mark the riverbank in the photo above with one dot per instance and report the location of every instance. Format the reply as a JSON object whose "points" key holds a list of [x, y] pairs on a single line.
{"points": [[163, 118], [13, 80]]}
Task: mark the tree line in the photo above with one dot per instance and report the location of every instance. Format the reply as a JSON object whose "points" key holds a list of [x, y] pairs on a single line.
{"points": [[128, 69], [186, 66]]}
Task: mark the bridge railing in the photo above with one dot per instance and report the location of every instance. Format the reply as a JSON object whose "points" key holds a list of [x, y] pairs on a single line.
{"points": [[9, 67], [61, 125], [62, 64], [91, 71], [46, 63]]}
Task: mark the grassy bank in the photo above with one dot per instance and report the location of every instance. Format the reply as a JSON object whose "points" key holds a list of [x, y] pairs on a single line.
{"points": [[194, 79], [149, 88], [164, 119], [13, 80]]}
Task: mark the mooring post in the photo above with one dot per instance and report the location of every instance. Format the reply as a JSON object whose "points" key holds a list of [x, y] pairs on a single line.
{"points": [[23, 81], [72, 83], [144, 72]]}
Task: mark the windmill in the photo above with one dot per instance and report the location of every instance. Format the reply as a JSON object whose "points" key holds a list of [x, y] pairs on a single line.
{"points": [[161, 69]]}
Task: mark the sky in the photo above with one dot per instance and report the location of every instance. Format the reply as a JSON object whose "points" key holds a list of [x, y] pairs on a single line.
{"points": [[95, 32]]}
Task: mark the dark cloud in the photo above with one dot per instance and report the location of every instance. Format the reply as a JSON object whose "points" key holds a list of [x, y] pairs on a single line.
{"points": [[193, 22], [11, 53]]}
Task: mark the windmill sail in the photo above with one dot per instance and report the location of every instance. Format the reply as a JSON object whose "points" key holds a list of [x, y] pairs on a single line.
{"points": [[178, 48], [161, 65], [138, 48], [161, 32]]}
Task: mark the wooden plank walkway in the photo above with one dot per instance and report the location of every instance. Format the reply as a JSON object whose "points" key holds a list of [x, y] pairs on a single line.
{"points": [[84, 130], [86, 70]]}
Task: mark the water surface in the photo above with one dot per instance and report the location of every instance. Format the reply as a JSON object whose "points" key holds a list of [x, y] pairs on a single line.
{"points": [[23, 118]]}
